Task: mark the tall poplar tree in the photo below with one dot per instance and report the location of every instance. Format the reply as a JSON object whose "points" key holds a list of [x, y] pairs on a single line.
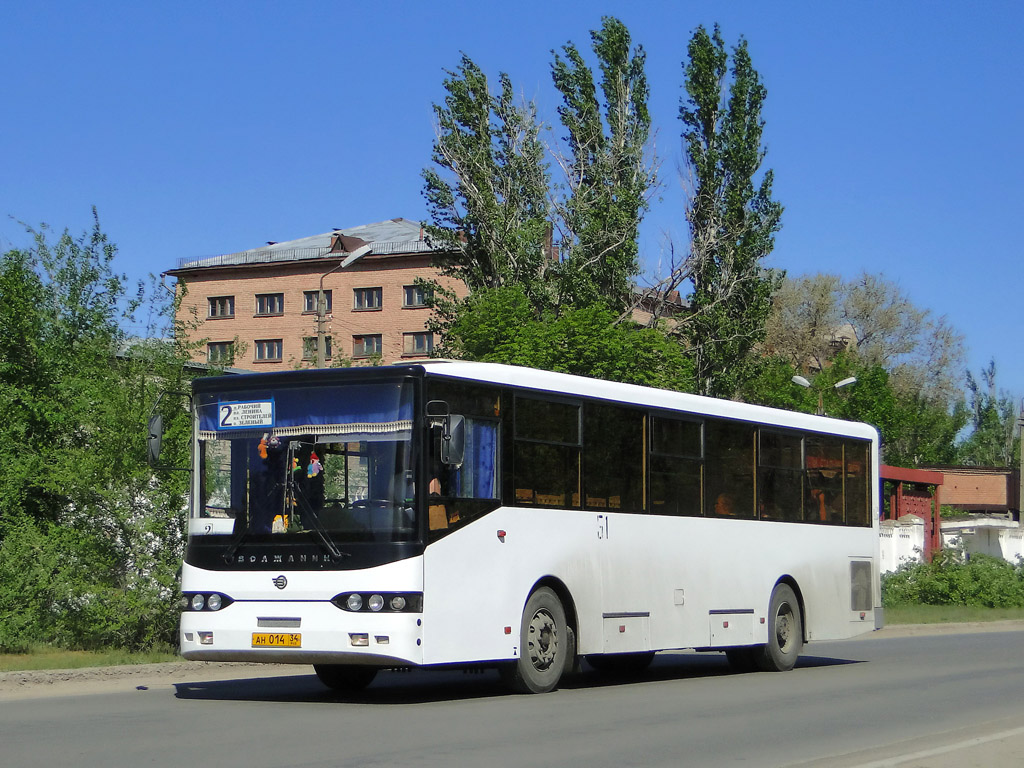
{"points": [[487, 192], [549, 266], [607, 170], [732, 217]]}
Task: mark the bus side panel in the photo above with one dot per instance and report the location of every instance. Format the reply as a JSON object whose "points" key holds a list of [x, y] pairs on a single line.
{"points": [[637, 582], [476, 584], [692, 575]]}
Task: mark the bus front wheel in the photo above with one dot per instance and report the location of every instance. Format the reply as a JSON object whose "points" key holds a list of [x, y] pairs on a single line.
{"points": [[785, 632], [345, 677], [544, 645]]}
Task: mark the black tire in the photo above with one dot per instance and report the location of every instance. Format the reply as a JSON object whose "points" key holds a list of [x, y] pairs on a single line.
{"points": [[785, 632], [345, 677], [743, 659], [621, 663], [544, 645]]}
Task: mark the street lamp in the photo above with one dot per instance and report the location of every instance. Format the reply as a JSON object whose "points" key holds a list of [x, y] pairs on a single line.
{"points": [[838, 385], [321, 304]]}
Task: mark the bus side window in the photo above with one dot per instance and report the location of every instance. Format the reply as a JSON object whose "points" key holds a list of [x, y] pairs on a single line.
{"points": [[856, 483], [546, 452], [729, 465], [779, 475], [676, 448], [823, 502], [613, 444]]}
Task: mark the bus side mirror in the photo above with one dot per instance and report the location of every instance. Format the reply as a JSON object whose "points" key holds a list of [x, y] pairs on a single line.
{"points": [[453, 441], [156, 435], [453, 432]]}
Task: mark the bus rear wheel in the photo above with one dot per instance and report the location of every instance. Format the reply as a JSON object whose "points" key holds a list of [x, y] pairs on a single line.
{"points": [[345, 677], [785, 632], [544, 645]]}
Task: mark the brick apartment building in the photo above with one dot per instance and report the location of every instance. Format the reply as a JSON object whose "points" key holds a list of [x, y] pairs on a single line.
{"points": [[258, 308]]}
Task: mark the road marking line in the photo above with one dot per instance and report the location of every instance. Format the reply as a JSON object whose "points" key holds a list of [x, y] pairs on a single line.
{"points": [[891, 761]]}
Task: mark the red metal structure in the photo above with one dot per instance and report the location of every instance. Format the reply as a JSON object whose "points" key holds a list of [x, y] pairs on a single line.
{"points": [[915, 492]]}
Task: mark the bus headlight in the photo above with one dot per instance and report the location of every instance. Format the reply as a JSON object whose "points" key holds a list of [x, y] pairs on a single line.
{"points": [[204, 601], [380, 602]]}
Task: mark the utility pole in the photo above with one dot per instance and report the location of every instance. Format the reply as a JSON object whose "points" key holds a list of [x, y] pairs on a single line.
{"points": [[1020, 491], [321, 303]]}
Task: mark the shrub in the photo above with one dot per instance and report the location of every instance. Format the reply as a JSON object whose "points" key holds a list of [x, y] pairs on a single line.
{"points": [[952, 579]]}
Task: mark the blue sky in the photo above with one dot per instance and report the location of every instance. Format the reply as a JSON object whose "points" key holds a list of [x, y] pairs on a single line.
{"points": [[202, 128]]}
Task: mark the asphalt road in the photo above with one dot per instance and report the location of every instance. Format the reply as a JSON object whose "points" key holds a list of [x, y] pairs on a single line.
{"points": [[919, 700]]}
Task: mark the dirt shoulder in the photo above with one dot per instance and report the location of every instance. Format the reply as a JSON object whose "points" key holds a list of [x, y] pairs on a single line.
{"points": [[93, 680]]}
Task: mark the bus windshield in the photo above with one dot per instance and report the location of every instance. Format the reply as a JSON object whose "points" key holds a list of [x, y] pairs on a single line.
{"points": [[332, 462]]}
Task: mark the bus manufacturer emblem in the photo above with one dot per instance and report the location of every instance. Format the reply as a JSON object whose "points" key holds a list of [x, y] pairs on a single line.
{"points": [[280, 582]]}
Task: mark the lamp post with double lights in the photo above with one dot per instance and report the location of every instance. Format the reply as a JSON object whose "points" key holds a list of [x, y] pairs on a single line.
{"points": [[321, 303], [800, 380]]}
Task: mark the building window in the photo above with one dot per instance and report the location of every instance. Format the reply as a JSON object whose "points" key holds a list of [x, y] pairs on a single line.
{"points": [[414, 296], [368, 298], [222, 306], [220, 352], [309, 347], [268, 350], [421, 343], [310, 298], [367, 346], [269, 303]]}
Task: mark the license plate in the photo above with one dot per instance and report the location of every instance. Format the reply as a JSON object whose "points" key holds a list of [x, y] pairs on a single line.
{"points": [[276, 640]]}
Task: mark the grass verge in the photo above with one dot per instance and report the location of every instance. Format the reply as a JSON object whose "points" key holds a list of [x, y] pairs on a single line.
{"points": [[55, 658], [947, 614]]}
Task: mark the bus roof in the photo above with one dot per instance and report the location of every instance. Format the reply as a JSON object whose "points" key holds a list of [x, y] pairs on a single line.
{"points": [[582, 386], [550, 381]]}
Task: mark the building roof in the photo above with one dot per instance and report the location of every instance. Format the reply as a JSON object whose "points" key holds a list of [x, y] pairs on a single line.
{"points": [[394, 236]]}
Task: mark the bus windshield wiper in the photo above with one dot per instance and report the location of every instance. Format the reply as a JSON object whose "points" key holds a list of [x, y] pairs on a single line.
{"points": [[236, 542], [317, 526]]}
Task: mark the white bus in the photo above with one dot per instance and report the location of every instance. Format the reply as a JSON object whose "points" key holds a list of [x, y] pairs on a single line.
{"points": [[458, 513]]}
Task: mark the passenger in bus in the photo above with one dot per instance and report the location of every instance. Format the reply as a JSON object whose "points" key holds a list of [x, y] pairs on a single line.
{"points": [[818, 505], [725, 505]]}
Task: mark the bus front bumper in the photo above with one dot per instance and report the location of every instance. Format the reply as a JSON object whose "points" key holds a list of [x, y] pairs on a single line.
{"points": [[301, 633]]}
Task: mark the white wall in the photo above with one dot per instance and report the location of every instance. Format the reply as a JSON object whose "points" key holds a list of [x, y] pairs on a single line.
{"points": [[996, 536], [902, 541]]}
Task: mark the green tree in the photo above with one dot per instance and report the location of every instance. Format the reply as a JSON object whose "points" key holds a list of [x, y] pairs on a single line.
{"points": [[494, 210], [90, 538], [500, 325], [865, 327], [914, 430], [732, 218], [487, 195], [993, 440], [608, 174]]}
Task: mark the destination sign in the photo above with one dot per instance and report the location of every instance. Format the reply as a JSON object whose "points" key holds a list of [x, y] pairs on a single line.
{"points": [[244, 415]]}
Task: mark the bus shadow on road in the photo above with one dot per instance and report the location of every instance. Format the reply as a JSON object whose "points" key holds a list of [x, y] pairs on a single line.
{"points": [[424, 686]]}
